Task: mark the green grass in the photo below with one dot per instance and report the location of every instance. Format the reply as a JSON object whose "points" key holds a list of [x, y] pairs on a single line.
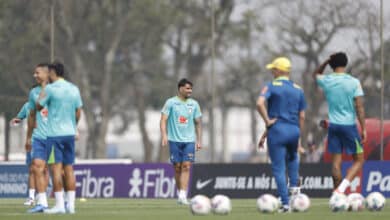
{"points": [[153, 209]]}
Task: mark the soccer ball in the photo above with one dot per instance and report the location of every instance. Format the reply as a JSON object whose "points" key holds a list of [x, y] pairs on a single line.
{"points": [[267, 203], [221, 204], [375, 201], [200, 205], [338, 202], [300, 203], [355, 202]]}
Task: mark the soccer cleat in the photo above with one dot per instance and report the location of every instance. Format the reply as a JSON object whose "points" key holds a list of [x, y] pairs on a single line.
{"points": [[68, 209], [183, 201], [284, 209], [55, 210], [37, 208], [29, 202]]}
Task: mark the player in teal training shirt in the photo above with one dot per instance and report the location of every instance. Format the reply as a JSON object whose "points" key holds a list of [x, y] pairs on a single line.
{"points": [[344, 95], [64, 104], [181, 129]]}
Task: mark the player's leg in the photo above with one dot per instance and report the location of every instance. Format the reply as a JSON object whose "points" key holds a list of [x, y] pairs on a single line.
{"points": [[352, 143], [277, 154], [187, 151], [31, 181], [69, 177], [176, 161], [335, 149], [293, 162], [56, 167]]}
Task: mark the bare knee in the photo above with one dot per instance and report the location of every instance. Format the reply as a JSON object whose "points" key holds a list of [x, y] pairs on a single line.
{"points": [[177, 167], [185, 167]]}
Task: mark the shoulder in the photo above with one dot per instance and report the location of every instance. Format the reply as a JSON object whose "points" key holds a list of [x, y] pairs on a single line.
{"points": [[295, 85], [194, 101]]}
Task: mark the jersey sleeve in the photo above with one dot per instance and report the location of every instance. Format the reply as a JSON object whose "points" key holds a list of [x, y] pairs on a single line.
{"points": [[78, 101], [46, 96], [358, 89], [197, 111], [302, 102], [166, 110], [24, 111], [320, 80], [266, 91]]}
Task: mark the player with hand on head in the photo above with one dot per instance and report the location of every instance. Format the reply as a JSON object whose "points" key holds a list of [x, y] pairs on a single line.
{"points": [[181, 129], [344, 95]]}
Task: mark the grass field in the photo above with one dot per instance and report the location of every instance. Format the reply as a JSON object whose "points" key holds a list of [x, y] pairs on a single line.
{"points": [[144, 209]]}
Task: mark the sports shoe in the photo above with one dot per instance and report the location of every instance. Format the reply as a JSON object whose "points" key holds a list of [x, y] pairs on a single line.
{"points": [[37, 208], [55, 210], [29, 202], [68, 209], [284, 209], [183, 201]]}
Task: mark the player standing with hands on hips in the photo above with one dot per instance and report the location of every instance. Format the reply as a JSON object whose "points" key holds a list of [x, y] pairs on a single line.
{"points": [[181, 129], [284, 119], [344, 95]]}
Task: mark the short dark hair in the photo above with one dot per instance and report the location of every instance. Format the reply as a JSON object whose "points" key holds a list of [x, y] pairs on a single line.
{"points": [[43, 65], [58, 68], [339, 59], [183, 82]]}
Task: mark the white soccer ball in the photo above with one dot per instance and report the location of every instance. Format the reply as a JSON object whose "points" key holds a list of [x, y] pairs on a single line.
{"points": [[355, 202], [267, 203], [375, 201], [300, 203], [221, 204], [200, 205], [338, 202]]}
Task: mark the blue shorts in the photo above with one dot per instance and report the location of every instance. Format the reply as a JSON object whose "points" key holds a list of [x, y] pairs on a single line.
{"points": [[39, 148], [182, 151], [28, 158], [344, 138], [61, 150]]}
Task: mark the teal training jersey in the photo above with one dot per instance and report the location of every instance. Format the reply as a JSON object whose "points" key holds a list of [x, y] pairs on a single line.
{"points": [[41, 129], [24, 111], [340, 90], [181, 115], [62, 99]]}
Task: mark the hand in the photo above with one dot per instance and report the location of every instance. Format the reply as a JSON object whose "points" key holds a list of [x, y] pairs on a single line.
{"points": [[301, 150], [28, 145], [364, 136], [164, 141], [15, 121], [262, 140], [270, 122], [198, 146]]}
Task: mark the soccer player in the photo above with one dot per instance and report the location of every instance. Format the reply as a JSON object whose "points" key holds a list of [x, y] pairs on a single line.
{"points": [[36, 138], [284, 118], [63, 101], [344, 95], [181, 129], [23, 114]]}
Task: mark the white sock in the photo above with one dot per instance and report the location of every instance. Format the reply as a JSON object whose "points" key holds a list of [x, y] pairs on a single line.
{"points": [[182, 194], [42, 199], [59, 199], [71, 197], [31, 193], [343, 185], [295, 190]]}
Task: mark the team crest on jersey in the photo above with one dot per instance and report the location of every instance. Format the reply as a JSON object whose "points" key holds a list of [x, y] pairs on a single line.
{"points": [[183, 120], [44, 112]]}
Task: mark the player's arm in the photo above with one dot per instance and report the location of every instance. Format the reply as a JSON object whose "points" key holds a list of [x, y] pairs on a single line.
{"points": [[320, 69], [260, 104], [198, 130], [30, 127], [302, 129], [163, 129], [359, 107]]}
